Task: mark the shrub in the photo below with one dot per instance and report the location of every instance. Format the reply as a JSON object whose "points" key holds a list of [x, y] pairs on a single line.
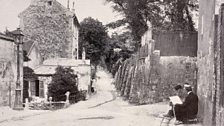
{"points": [[62, 81]]}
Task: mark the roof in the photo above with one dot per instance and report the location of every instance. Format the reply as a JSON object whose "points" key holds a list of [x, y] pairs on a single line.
{"points": [[66, 62], [45, 70], [49, 66], [76, 21], [27, 46], [3, 36]]}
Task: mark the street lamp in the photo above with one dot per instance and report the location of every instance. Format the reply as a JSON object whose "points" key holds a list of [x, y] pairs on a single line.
{"points": [[18, 36]]}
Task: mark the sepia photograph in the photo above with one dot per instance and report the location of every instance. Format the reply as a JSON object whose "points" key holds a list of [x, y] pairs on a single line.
{"points": [[111, 63]]}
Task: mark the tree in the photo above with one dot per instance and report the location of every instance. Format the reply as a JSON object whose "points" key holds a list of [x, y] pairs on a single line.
{"points": [[62, 81], [136, 13], [94, 38], [166, 15], [126, 49], [179, 13]]}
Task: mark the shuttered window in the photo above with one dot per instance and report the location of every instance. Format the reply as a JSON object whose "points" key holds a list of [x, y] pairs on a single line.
{"points": [[41, 89]]}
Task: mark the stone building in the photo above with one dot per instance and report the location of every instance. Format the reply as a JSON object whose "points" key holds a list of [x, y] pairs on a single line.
{"points": [[50, 34], [47, 69], [30, 80], [8, 70], [53, 26]]}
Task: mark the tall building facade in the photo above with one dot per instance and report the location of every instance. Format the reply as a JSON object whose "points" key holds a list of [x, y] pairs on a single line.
{"points": [[53, 27]]}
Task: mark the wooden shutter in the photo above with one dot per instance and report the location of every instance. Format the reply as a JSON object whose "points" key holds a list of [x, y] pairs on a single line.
{"points": [[41, 89]]}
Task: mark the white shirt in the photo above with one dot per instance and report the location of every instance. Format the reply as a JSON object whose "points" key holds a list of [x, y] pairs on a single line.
{"points": [[189, 92]]}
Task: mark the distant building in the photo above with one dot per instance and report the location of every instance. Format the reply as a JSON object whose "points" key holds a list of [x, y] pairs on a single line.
{"points": [[47, 69], [53, 27], [51, 34], [8, 70], [30, 79]]}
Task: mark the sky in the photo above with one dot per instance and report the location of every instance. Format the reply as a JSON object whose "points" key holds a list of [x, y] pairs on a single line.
{"points": [[9, 10]]}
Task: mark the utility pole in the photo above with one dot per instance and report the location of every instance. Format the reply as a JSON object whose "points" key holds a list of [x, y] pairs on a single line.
{"points": [[18, 104]]}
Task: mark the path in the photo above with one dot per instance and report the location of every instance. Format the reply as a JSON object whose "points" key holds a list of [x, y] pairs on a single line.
{"points": [[102, 109]]}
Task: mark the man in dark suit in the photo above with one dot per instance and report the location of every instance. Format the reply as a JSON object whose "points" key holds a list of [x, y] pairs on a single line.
{"points": [[189, 108], [178, 91]]}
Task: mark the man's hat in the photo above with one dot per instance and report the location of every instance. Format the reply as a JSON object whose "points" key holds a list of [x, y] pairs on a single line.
{"points": [[187, 86], [177, 87]]}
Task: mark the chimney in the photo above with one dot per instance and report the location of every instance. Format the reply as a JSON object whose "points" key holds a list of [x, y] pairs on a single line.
{"points": [[68, 5], [73, 6], [83, 54]]}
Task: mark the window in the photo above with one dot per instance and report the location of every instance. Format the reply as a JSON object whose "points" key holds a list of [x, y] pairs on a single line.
{"points": [[49, 3], [41, 89], [37, 88]]}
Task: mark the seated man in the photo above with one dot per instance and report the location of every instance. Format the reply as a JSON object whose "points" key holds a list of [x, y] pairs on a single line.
{"points": [[178, 92], [189, 108]]}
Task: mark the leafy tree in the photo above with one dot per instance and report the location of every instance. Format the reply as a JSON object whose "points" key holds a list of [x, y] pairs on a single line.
{"points": [[122, 42], [94, 38], [62, 81], [163, 15], [136, 13], [179, 13]]}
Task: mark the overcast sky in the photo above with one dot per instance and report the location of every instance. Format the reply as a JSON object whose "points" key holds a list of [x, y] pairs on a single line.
{"points": [[9, 10]]}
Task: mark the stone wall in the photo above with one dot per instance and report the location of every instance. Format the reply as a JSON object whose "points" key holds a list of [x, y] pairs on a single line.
{"points": [[206, 56], [219, 59], [176, 70], [144, 79], [8, 71], [178, 43]]}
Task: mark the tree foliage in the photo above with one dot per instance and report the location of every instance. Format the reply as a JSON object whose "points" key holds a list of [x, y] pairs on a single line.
{"points": [[122, 42], [179, 13], [62, 81], [94, 38], [163, 15]]}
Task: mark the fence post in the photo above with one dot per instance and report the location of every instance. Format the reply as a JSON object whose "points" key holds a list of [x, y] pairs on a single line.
{"points": [[50, 101], [67, 99], [26, 104]]}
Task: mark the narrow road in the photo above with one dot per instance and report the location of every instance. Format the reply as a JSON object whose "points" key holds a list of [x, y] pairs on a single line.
{"points": [[102, 109]]}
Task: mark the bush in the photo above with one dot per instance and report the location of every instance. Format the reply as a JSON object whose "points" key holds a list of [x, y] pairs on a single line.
{"points": [[64, 80]]}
